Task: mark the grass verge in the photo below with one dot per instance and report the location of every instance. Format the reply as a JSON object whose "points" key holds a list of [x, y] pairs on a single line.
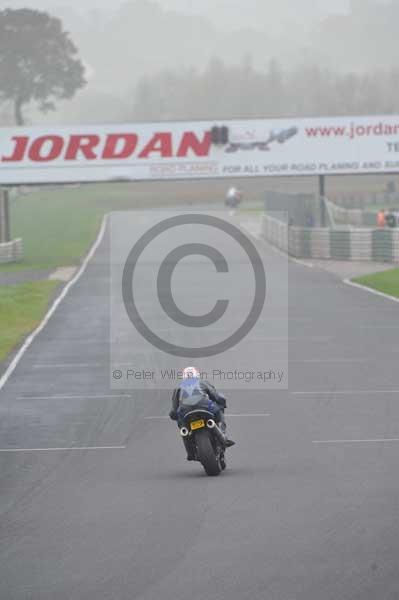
{"points": [[59, 225], [21, 309], [386, 282]]}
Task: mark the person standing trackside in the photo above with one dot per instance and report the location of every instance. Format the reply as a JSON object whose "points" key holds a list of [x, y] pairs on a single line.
{"points": [[381, 222]]}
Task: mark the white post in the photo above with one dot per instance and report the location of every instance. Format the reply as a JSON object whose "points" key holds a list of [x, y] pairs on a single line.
{"points": [[4, 216]]}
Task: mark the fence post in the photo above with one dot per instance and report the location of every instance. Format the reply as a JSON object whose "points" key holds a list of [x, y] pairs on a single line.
{"points": [[322, 193], [4, 216]]}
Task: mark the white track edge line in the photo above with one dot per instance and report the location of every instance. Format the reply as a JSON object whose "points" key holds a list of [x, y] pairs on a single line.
{"points": [[76, 397], [365, 441], [14, 363], [63, 449], [343, 392], [370, 290]]}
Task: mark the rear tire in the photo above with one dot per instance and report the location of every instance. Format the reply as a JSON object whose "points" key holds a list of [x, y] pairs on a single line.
{"points": [[206, 453], [222, 462]]}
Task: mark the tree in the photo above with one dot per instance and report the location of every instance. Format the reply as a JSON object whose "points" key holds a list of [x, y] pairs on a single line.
{"points": [[38, 61]]}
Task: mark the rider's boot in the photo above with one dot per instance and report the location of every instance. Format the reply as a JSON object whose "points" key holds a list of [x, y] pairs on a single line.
{"points": [[223, 428]]}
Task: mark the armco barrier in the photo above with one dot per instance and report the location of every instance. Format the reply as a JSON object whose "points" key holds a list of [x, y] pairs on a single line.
{"points": [[320, 243], [395, 248], [338, 244], [11, 251], [275, 232], [361, 244]]}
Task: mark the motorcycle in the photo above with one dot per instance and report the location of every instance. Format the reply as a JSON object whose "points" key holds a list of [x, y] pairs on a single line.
{"points": [[206, 440], [233, 199]]}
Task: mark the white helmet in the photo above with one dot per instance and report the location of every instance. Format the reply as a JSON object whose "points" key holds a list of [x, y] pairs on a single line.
{"points": [[191, 373], [232, 192]]}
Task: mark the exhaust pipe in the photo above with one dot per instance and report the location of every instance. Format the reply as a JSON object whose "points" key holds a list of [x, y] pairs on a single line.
{"points": [[184, 432], [218, 432]]}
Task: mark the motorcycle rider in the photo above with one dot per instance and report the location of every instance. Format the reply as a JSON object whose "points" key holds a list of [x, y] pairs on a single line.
{"points": [[233, 197], [193, 385]]}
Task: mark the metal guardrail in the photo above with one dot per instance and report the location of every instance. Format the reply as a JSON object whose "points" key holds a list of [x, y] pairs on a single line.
{"points": [[338, 244], [11, 251]]}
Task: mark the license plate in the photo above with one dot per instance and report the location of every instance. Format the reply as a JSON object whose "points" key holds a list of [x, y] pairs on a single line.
{"points": [[197, 424]]}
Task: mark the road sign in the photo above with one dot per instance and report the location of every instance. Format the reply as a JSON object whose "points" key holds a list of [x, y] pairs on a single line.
{"points": [[184, 150]]}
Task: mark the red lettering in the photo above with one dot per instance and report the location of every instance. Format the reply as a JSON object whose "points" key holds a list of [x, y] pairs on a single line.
{"points": [[46, 148], [21, 143], [84, 144], [120, 145], [191, 142], [160, 142]]}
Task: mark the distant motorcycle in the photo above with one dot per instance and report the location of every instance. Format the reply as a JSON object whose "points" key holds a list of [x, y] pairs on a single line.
{"points": [[205, 438], [233, 198]]}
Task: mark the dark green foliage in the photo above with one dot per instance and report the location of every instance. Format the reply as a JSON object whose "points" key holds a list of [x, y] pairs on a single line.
{"points": [[38, 61]]}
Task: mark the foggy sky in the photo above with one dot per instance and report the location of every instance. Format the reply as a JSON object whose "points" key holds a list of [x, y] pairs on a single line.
{"points": [[293, 32], [223, 11]]}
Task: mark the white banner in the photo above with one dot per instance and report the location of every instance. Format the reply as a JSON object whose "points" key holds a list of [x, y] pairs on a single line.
{"points": [[183, 150]]}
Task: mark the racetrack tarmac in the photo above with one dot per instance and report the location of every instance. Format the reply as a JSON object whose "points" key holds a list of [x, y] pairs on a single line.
{"points": [[307, 509]]}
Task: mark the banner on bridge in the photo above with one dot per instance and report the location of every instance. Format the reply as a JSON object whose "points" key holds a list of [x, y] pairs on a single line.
{"points": [[184, 150]]}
